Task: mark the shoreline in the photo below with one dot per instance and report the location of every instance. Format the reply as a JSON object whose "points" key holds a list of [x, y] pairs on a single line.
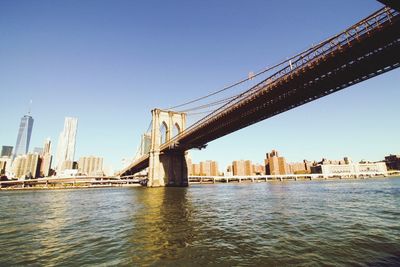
{"points": [[43, 188], [249, 181], [233, 181]]}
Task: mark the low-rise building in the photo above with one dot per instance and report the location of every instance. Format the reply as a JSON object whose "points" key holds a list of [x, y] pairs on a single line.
{"points": [[275, 165], [258, 169], [242, 168], [195, 169], [350, 169], [204, 168], [300, 167], [209, 168]]}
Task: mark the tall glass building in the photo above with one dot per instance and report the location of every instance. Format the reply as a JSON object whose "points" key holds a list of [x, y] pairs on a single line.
{"points": [[24, 135]]}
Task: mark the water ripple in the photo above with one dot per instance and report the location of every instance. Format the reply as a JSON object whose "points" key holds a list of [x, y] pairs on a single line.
{"points": [[332, 223]]}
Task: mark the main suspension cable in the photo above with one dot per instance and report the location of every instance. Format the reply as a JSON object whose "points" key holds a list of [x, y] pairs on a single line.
{"points": [[215, 103], [250, 77]]}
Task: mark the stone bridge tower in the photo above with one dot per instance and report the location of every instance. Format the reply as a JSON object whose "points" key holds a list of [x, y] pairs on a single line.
{"points": [[167, 168]]}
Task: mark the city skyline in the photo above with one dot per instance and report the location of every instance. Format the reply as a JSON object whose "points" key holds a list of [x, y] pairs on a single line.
{"points": [[91, 164], [361, 125], [276, 164]]}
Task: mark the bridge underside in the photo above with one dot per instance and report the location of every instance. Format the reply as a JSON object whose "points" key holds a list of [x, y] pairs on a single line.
{"points": [[367, 57], [395, 4]]}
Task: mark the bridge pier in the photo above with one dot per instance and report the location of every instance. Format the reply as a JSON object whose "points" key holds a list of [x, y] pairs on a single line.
{"points": [[168, 169]]}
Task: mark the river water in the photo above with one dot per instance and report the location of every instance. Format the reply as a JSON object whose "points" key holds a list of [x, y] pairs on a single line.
{"points": [[340, 222]]}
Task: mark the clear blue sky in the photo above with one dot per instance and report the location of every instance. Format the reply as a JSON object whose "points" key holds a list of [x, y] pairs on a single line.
{"points": [[110, 62]]}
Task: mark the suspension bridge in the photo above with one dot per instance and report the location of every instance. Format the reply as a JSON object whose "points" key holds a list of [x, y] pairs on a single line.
{"points": [[366, 49]]}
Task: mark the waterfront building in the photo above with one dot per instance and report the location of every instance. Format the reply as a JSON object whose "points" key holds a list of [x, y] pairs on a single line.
{"points": [[248, 167], [24, 135], [350, 169], [300, 167], [393, 162], [308, 165], [205, 168], [208, 168], [66, 145], [18, 166], [275, 165], [214, 168], [46, 159], [238, 168], [90, 166], [32, 166], [6, 151], [228, 171], [27, 166], [195, 169], [242, 168], [45, 165], [229, 168], [258, 169]]}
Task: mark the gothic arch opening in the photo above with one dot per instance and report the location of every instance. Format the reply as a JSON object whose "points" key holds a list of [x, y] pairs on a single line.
{"points": [[176, 130], [163, 133]]}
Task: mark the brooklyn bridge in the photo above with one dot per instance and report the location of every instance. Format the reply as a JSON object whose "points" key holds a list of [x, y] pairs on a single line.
{"points": [[366, 49]]}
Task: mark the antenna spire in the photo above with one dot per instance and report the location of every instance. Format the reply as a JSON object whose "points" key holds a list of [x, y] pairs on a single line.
{"points": [[30, 107]]}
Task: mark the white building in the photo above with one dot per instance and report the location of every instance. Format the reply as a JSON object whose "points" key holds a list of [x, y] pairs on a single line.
{"points": [[26, 166], [91, 166], [351, 169], [66, 143]]}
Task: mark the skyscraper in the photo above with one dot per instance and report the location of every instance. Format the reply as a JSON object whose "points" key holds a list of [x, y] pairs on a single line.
{"points": [[24, 135], [46, 159], [66, 143]]}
